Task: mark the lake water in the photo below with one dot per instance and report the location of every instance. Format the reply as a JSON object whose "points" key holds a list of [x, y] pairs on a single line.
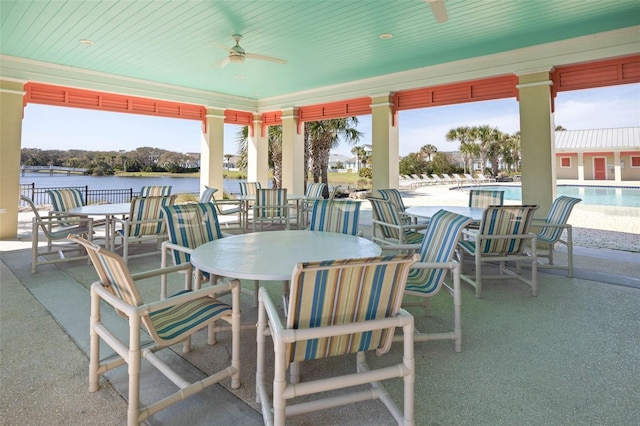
{"points": [[186, 184]]}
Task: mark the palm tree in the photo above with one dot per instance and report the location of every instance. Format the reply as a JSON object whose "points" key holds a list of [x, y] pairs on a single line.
{"points": [[362, 156], [324, 135], [275, 151], [428, 150], [468, 147]]}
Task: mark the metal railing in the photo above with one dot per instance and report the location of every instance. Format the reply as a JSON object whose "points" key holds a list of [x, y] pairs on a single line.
{"points": [[92, 196]]}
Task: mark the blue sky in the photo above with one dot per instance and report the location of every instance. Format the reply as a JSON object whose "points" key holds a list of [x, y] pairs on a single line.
{"points": [[47, 127]]}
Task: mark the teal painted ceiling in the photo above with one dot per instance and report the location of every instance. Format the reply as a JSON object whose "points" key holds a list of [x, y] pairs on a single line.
{"points": [[324, 42]]}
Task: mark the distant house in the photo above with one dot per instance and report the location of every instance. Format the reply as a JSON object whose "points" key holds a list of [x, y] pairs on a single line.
{"points": [[342, 162], [598, 154]]}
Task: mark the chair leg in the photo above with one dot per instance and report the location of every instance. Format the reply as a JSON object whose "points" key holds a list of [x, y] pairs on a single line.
{"points": [[478, 277], [134, 363]]}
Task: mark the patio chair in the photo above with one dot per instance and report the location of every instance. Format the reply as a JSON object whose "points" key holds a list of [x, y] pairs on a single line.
{"points": [[188, 226], [271, 206], [427, 277], [63, 200], [340, 216], [395, 197], [166, 322], [501, 237], [144, 223], [437, 179], [337, 308], [55, 229], [315, 191], [207, 194], [484, 198], [249, 191], [549, 231], [388, 228], [470, 178], [155, 191]]}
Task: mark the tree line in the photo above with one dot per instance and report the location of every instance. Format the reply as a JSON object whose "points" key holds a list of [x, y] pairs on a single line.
{"points": [[104, 163]]}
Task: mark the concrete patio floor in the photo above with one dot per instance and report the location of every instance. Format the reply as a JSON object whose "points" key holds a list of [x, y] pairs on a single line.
{"points": [[569, 356]]}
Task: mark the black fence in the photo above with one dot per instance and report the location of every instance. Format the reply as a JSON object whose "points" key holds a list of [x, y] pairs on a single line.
{"points": [[92, 196]]}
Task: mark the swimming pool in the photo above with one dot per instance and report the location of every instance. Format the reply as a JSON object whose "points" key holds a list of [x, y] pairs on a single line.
{"points": [[598, 195]]}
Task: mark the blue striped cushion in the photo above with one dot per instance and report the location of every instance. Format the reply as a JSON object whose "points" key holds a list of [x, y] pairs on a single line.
{"points": [[314, 190], [272, 198], [558, 215], [191, 225], [394, 196], [484, 198], [335, 216], [249, 188], [207, 194], [505, 220], [155, 191], [439, 244], [148, 208], [63, 200], [344, 291]]}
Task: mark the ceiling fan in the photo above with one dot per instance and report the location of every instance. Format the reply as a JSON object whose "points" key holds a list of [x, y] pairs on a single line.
{"points": [[237, 54], [439, 10]]}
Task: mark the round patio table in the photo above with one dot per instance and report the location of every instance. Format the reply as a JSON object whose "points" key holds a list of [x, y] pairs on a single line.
{"points": [[272, 255], [106, 210], [474, 213]]}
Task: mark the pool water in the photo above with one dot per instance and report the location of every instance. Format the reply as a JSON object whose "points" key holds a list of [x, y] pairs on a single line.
{"points": [[597, 195]]}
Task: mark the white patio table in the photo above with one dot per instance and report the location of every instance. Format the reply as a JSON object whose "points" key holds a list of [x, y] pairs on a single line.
{"points": [[474, 213], [272, 255], [106, 210]]}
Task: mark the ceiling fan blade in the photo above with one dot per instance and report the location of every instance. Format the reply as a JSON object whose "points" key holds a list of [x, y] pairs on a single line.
{"points": [[221, 46], [265, 58], [439, 10], [221, 63]]}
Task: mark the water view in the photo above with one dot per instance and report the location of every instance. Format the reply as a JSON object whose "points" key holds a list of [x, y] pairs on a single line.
{"points": [[596, 195]]}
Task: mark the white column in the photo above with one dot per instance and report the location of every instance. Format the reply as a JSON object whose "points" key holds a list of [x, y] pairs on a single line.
{"points": [[385, 141], [537, 141], [292, 152], [258, 154], [617, 169], [11, 109], [580, 166], [212, 152]]}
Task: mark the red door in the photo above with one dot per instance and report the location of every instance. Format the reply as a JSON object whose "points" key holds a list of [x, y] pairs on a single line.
{"points": [[599, 168]]}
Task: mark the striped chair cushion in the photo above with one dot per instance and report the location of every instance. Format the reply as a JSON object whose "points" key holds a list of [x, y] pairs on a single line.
{"points": [[191, 225], [344, 291], [385, 211], [485, 198], [505, 220], [438, 246], [394, 196], [155, 191], [148, 208], [174, 321], [558, 215], [207, 194], [249, 188], [335, 216], [63, 200], [315, 190], [276, 199]]}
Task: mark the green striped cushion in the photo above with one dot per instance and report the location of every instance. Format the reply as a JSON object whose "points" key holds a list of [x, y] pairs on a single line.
{"points": [[335, 216], [155, 191], [384, 211], [484, 198], [191, 225], [344, 291], [558, 215], [439, 244], [172, 322]]}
